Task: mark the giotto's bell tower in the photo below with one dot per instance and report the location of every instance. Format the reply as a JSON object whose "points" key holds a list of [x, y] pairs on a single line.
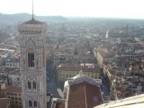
{"points": [[32, 62]]}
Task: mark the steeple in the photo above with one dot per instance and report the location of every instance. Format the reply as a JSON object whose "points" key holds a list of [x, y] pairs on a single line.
{"points": [[33, 21], [32, 10], [33, 65]]}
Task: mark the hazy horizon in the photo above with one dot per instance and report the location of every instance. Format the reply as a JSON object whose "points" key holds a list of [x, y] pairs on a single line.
{"points": [[129, 9]]}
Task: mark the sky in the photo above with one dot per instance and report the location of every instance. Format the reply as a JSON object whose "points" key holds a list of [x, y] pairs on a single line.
{"points": [[88, 8]]}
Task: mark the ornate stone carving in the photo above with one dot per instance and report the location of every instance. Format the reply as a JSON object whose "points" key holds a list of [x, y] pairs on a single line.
{"points": [[30, 42]]}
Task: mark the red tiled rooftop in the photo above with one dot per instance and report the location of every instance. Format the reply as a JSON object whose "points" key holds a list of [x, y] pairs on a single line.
{"points": [[4, 102], [92, 69], [102, 53], [69, 67], [77, 67], [60, 105], [15, 89], [105, 54], [14, 72], [84, 95]]}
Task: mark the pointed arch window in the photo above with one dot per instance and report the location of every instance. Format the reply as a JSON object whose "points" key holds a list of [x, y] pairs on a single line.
{"points": [[30, 103], [29, 85], [34, 84], [31, 59], [35, 103]]}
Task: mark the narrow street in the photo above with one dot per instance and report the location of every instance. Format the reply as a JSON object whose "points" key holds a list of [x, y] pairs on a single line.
{"points": [[105, 85], [51, 80]]}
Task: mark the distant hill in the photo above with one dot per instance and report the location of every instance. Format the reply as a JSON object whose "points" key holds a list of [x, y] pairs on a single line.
{"points": [[14, 18]]}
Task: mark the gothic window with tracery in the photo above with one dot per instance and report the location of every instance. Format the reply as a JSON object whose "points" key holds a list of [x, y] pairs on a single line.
{"points": [[31, 59], [35, 103], [34, 85], [29, 85], [30, 103]]}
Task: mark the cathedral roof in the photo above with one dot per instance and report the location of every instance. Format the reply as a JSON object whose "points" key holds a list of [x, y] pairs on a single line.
{"points": [[84, 95], [82, 78], [60, 105], [130, 102]]}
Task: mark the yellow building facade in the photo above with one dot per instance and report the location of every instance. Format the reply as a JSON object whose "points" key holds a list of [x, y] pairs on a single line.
{"points": [[66, 71]]}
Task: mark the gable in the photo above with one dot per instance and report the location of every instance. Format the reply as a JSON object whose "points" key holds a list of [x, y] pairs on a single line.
{"points": [[30, 43]]}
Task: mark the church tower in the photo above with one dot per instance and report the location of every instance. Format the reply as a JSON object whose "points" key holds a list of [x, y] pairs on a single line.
{"points": [[32, 63]]}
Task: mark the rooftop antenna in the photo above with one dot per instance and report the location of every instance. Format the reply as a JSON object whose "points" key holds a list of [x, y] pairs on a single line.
{"points": [[32, 10]]}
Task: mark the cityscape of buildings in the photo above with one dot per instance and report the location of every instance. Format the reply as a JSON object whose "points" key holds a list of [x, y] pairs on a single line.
{"points": [[71, 63]]}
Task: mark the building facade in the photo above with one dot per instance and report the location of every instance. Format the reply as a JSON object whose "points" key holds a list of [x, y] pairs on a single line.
{"points": [[80, 91], [32, 63], [5, 103], [14, 94], [12, 63], [66, 71]]}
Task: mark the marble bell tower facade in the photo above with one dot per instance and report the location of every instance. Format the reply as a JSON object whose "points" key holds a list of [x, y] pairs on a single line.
{"points": [[32, 63]]}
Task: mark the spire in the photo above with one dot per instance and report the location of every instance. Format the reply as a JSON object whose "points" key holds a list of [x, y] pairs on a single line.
{"points": [[107, 34], [32, 9]]}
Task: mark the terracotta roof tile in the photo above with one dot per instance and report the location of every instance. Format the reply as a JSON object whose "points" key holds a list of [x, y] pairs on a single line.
{"points": [[106, 54], [60, 105], [14, 71], [84, 95], [15, 89], [77, 67], [4, 102]]}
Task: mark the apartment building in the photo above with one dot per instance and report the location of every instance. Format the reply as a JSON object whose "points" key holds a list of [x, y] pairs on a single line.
{"points": [[66, 71], [14, 93]]}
